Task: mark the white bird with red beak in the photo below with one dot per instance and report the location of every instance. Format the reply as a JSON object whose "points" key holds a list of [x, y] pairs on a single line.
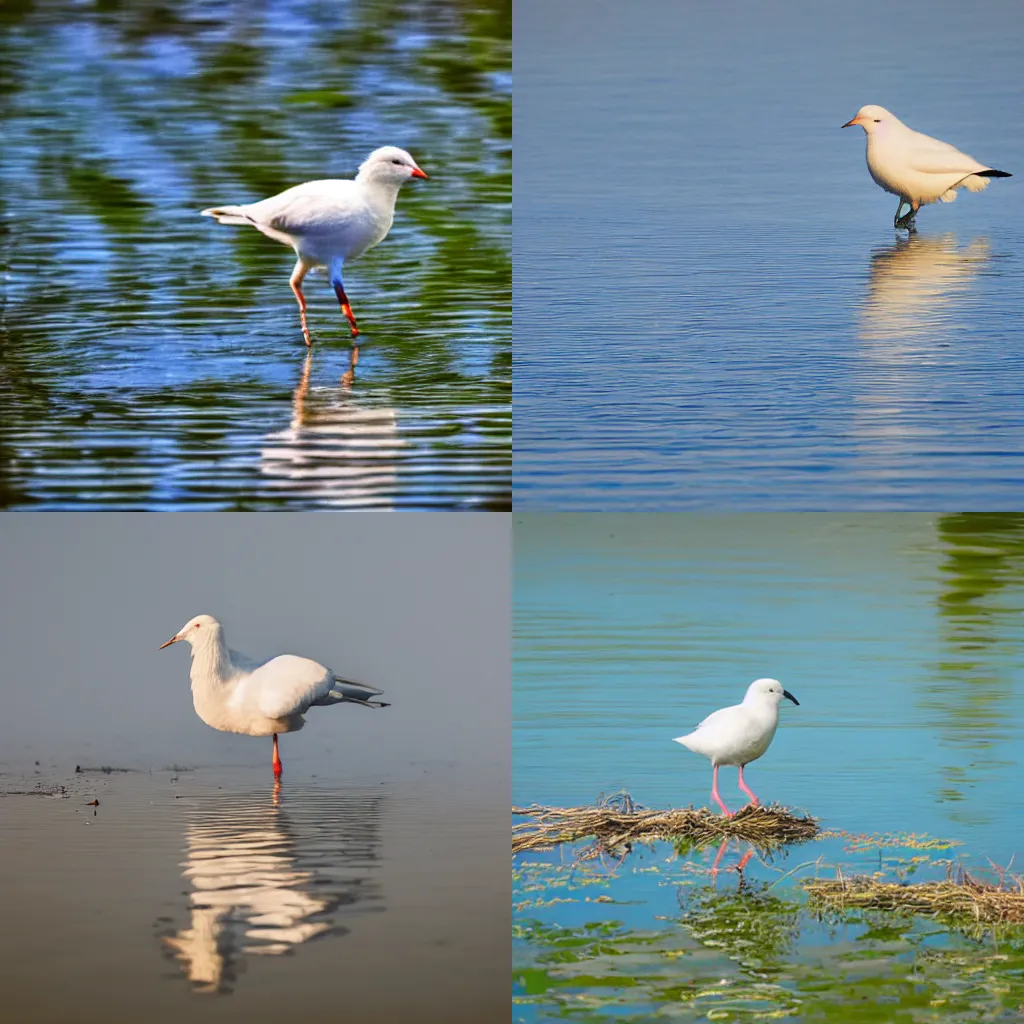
{"points": [[739, 734], [332, 222], [233, 693], [915, 167]]}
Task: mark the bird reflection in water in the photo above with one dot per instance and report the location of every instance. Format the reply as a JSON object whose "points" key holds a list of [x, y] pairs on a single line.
{"points": [[917, 299], [268, 875], [912, 291], [335, 451]]}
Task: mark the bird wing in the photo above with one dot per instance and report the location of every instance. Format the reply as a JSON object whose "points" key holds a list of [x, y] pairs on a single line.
{"points": [[311, 208], [932, 156], [288, 685], [719, 717]]}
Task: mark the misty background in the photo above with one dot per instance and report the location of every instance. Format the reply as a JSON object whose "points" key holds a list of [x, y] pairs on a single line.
{"points": [[417, 605]]}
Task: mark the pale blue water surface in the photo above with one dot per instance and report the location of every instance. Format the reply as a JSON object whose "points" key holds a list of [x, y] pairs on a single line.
{"points": [[901, 636], [712, 309]]}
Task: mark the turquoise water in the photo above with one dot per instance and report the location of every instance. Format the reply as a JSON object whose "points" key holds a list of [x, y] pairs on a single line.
{"points": [[902, 638]]}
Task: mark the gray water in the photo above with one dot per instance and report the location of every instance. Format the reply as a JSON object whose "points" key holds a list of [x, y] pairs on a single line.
{"points": [[152, 359], [373, 880], [712, 309], [900, 635]]}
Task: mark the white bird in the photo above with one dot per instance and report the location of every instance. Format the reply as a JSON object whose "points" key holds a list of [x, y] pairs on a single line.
{"points": [[915, 167], [330, 222], [233, 693], [739, 734]]}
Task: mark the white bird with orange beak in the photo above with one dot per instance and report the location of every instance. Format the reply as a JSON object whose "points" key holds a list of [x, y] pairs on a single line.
{"points": [[233, 693], [332, 222], [915, 167]]}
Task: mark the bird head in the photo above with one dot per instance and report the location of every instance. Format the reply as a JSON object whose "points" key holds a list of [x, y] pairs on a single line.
{"points": [[389, 165], [872, 118], [196, 631], [768, 691]]}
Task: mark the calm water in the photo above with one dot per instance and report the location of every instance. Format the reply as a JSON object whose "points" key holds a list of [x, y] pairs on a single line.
{"points": [[376, 879], [153, 359], [712, 308], [902, 637]]}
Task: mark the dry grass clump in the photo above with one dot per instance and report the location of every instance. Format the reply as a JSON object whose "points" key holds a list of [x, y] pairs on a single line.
{"points": [[959, 895], [616, 822]]}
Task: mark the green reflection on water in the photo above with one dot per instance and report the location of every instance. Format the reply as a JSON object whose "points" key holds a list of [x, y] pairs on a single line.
{"points": [[132, 326]]}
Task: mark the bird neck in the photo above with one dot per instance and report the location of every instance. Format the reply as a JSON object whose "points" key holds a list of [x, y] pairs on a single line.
{"points": [[380, 190], [211, 662]]}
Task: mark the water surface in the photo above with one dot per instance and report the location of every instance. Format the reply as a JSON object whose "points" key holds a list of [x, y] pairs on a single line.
{"points": [[712, 308], [902, 638], [374, 878], [152, 358]]}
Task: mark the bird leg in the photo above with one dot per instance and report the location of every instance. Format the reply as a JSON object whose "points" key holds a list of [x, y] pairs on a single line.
{"points": [[718, 859], [714, 792], [339, 289], [278, 768], [749, 792], [907, 219], [300, 271]]}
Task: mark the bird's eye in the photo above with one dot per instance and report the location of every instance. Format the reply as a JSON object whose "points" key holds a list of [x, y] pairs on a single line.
{"points": [[399, 162], [878, 120]]}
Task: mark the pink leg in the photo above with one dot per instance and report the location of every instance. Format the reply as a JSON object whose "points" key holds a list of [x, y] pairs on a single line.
{"points": [[714, 793], [749, 792], [295, 281], [277, 760], [718, 859]]}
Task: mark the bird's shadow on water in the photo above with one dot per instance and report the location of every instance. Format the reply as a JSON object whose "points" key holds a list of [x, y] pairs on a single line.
{"points": [[268, 873]]}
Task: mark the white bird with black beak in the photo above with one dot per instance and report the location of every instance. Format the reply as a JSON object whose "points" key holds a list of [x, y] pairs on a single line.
{"points": [[233, 693], [915, 167], [739, 734], [332, 222]]}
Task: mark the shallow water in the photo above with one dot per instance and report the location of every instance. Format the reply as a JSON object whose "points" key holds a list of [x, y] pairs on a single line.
{"points": [[152, 359], [901, 638], [200, 892], [712, 309], [375, 881]]}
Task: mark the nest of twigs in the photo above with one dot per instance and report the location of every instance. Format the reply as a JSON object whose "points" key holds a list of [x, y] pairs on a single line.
{"points": [[617, 822], [959, 895]]}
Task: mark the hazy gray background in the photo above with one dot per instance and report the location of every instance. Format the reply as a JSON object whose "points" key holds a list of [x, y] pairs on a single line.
{"points": [[388, 841], [417, 605]]}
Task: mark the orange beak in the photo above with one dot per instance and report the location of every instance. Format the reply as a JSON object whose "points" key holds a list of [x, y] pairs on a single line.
{"points": [[848, 124], [173, 640], [417, 173]]}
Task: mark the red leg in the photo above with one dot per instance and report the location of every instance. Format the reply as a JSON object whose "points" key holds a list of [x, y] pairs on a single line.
{"points": [[346, 307], [714, 793], [277, 760], [718, 859], [749, 792]]}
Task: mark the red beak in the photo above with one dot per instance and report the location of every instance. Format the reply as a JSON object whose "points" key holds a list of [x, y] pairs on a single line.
{"points": [[417, 173]]}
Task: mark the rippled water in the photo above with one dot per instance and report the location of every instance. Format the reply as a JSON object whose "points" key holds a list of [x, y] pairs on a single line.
{"points": [[712, 309], [153, 359], [901, 636]]}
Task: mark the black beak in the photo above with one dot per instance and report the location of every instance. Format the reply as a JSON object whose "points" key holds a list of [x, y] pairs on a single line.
{"points": [[786, 693]]}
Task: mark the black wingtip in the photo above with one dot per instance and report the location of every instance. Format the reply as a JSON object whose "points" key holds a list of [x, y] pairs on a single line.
{"points": [[994, 174]]}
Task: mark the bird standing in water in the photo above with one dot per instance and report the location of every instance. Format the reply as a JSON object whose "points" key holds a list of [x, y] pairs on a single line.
{"points": [[330, 223], [916, 167], [233, 693]]}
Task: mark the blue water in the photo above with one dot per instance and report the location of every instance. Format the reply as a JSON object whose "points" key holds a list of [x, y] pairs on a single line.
{"points": [[152, 359], [712, 309], [901, 636]]}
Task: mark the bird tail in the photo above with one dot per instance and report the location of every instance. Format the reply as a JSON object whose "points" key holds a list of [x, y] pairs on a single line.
{"points": [[227, 214], [990, 173], [344, 691]]}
